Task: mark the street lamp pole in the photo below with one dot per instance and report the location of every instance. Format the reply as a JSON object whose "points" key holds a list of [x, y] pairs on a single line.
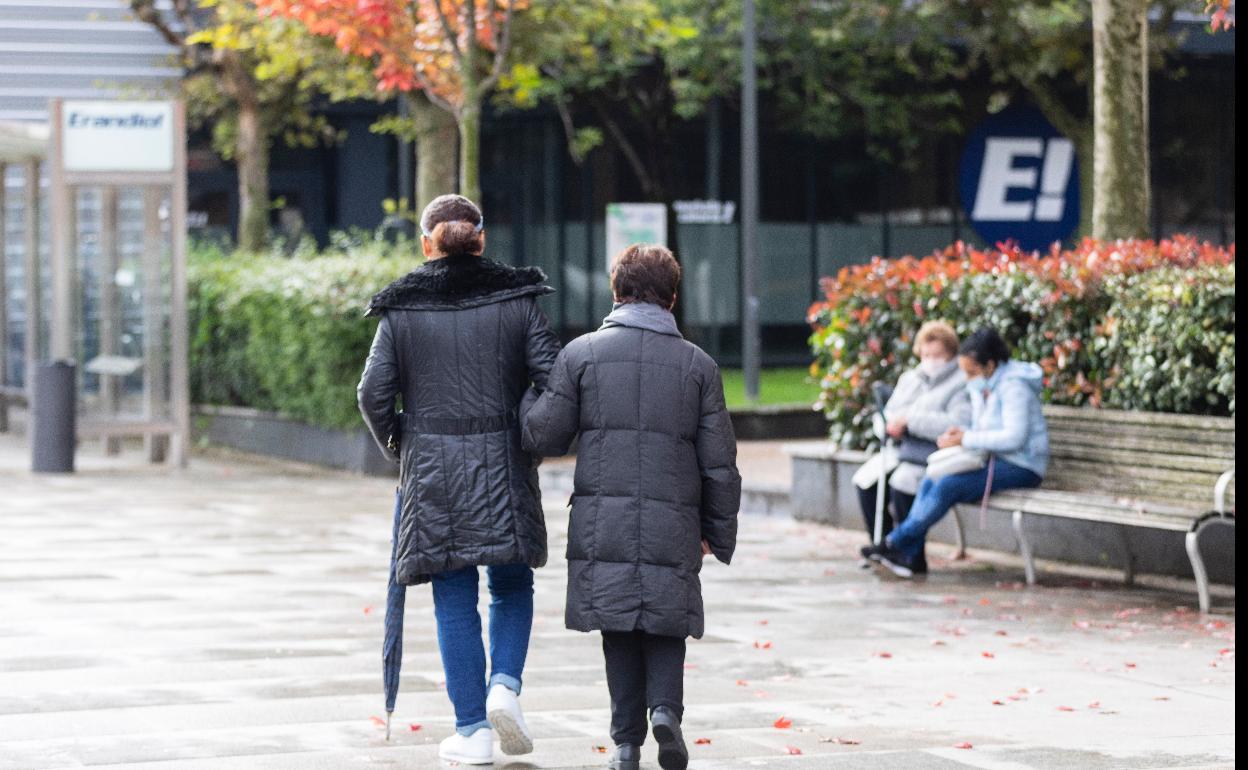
{"points": [[749, 204]]}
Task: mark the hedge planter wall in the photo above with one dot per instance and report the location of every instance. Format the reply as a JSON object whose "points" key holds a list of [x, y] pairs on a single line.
{"points": [[1129, 324], [287, 334]]}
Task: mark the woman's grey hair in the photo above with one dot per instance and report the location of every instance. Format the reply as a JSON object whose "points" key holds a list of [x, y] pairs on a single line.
{"points": [[450, 208]]}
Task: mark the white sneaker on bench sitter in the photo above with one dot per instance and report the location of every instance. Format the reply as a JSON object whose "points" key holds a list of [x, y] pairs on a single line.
{"points": [[502, 708]]}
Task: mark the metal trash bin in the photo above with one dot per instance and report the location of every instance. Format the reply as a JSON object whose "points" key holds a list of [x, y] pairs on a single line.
{"points": [[53, 417]]}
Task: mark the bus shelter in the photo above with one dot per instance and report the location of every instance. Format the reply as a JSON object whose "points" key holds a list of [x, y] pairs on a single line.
{"points": [[109, 292]]}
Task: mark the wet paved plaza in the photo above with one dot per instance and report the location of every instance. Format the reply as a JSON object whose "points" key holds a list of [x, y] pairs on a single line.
{"points": [[230, 616]]}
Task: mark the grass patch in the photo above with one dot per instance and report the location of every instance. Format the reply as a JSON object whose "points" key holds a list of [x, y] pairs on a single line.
{"points": [[777, 387]]}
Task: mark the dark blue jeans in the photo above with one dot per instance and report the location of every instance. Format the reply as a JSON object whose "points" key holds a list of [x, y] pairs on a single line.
{"points": [[936, 497], [459, 636]]}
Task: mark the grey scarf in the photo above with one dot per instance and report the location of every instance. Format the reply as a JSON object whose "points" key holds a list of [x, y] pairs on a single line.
{"points": [[642, 315]]}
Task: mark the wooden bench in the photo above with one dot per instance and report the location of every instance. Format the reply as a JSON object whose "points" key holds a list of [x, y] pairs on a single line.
{"points": [[1133, 469]]}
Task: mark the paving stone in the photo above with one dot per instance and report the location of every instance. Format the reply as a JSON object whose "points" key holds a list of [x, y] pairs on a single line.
{"points": [[229, 617]]}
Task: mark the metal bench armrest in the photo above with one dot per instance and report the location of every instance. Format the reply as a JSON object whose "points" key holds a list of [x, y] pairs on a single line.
{"points": [[1219, 491]]}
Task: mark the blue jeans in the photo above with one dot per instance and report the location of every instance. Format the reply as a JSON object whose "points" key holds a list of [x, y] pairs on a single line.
{"points": [[937, 496], [459, 636]]}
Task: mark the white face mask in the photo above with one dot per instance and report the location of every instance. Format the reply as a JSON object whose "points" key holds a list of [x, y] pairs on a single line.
{"points": [[932, 366]]}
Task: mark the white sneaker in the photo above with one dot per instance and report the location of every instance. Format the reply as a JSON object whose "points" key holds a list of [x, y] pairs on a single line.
{"points": [[475, 749], [502, 708]]}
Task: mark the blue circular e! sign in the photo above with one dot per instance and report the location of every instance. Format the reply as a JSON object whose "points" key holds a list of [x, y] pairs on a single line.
{"points": [[1020, 180]]}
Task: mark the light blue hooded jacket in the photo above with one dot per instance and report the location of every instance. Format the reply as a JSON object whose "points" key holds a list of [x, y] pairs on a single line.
{"points": [[1009, 422]]}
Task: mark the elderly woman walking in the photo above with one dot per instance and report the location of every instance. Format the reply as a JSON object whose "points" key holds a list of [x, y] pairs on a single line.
{"points": [[460, 340]]}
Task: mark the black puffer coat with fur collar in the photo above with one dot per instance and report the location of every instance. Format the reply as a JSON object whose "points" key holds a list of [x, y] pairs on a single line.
{"points": [[459, 340]]}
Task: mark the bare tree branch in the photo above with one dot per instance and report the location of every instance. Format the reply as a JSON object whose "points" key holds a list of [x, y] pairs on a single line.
{"points": [[451, 39], [626, 147], [145, 11], [502, 45]]}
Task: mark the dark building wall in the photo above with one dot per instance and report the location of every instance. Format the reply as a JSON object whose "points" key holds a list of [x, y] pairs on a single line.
{"points": [[825, 204]]}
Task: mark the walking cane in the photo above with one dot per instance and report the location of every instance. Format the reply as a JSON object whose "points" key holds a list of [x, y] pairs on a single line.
{"points": [[881, 392]]}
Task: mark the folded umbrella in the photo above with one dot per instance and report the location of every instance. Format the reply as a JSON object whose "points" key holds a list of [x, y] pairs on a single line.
{"points": [[392, 646]]}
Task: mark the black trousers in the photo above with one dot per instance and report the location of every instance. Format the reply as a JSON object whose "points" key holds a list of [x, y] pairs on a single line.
{"points": [[901, 503], [644, 671]]}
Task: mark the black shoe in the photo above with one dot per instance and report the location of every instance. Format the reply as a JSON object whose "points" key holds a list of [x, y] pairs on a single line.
{"points": [[626, 757], [869, 553], [900, 564], [673, 755]]}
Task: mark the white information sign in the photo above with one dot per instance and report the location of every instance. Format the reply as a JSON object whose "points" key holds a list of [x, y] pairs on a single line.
{"points": [[117, 136], [629, 223], [701, 212]]}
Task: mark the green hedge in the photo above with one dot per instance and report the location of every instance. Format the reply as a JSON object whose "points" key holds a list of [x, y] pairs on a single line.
{"points": [[287, 333], [1131, 324]]}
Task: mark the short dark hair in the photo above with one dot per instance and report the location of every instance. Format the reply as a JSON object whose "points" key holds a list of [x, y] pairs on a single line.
{"points": [[645, 272], [985, 345]]}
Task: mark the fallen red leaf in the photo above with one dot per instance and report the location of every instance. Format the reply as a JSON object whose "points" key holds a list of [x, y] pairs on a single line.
{"points": [[690, 666], [938, 643], [377, 721], [1064, 708], [1002, 633], [413, 727], [742, 683], [1096, 704], [962, 745], [702, 741], [368, 610], [763, 622], [599, 749], [792, 749], [783, 723], [987, 654], [1130, 665], [998, 703], [883, 654]]}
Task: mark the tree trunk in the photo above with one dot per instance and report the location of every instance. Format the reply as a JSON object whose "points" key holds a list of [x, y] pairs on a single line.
{"points": [[252, 157], [1120, 205], [470, 148], [435, 151], [1085, 154]]}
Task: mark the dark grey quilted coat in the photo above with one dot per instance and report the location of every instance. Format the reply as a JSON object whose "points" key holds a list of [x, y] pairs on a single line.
{"points": [[655, 472], [459, 341]]}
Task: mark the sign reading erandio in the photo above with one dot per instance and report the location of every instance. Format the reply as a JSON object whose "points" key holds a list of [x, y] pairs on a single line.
{"points": [[117, 136]]}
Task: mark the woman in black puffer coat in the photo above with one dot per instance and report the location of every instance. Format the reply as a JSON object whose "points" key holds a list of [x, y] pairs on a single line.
{"points": [[459, 341], [656, 489]]}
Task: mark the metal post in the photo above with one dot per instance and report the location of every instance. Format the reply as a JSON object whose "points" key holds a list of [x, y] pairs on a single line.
{"points": [[179, 342], [34, 289], [155, 362], [110, 311], [4, 305], [749, 205], [64, 243]]}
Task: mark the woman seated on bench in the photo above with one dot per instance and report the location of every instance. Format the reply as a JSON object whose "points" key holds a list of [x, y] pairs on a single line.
{"points": [[1007, 426], [928, 400]]}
